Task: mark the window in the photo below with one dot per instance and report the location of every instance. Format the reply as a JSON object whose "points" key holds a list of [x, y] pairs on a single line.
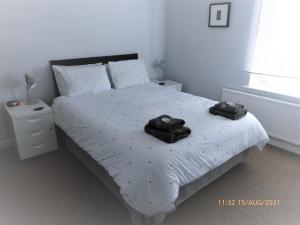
{"points": [[275, 62]]}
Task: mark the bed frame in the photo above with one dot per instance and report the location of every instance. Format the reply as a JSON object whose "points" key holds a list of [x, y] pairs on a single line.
{"points": [[184, 192]]}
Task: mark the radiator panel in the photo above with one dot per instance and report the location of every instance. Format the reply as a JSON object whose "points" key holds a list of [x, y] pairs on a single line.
{"points": [[280, 119]]}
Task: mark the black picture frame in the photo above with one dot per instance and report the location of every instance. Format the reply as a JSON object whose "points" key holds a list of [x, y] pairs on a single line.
{"points": [[228, 14]]}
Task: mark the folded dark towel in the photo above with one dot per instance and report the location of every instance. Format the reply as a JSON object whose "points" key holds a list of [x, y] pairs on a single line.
{"points": [[171, 136], [232, 116], [166, 123], [229, 107]]}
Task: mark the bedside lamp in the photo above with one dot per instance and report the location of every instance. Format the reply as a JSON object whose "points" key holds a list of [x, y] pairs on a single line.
{"points": [[160, 66], [30, 84]]}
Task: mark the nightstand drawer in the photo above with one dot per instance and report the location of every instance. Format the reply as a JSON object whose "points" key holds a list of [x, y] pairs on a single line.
{"points": [[31, 144], [33, 124]]}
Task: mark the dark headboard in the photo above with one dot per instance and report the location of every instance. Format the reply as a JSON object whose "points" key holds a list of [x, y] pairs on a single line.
{"points": [[90, 60]]}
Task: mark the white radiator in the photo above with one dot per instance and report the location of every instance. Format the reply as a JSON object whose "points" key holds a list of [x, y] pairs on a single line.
{"points": [[280, 119]]}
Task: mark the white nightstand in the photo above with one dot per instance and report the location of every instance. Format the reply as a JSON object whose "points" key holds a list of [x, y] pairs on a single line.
{"points": [[34, 128], [169, 84]]}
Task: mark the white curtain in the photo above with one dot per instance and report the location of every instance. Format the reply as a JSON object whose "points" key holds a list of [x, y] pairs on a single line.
{"points": [[276, 50]]}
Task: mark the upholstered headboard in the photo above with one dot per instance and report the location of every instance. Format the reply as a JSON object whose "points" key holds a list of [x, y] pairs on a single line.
{"points": [[90, 60]]}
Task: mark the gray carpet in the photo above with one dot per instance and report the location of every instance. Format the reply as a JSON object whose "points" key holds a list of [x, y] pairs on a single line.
{"points": [[55, 189]]}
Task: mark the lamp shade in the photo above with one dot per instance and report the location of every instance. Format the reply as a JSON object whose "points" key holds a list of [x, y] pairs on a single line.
{"points": [[160, 64], [30, 81]]}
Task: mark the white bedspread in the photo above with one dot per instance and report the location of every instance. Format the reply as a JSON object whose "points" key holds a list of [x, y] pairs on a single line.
{"points": [[110, 127]]}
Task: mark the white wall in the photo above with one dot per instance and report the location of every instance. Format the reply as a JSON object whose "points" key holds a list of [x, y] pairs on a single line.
{"points": [[32, 32], [207, 59]]}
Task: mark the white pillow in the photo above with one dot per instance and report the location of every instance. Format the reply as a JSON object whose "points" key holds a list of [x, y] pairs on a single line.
{"points": [[128, 73], [84, 79]]}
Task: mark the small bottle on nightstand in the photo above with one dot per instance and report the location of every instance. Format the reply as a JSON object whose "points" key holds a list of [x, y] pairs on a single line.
{"points": [[34, 128]]}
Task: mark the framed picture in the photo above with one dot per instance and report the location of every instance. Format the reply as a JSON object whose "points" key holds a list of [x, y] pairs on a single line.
{"points": [[219, 14]]}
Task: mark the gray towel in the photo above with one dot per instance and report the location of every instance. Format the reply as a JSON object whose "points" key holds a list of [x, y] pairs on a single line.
{"points": [[169, 136], [232, 116], [229, 107], [166, 123]]}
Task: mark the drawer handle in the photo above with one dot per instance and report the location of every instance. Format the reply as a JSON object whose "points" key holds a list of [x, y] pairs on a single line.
{"points": [[39, 145], [33, 120], [36, 133]]}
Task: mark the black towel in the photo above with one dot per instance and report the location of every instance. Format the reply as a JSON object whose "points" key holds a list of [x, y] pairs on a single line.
{"points": [[229, 107], [166, 123], [233, 116], [171, 136]]}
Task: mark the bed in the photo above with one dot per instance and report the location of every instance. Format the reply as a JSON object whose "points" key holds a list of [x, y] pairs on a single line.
{"points": [[105, 132]]}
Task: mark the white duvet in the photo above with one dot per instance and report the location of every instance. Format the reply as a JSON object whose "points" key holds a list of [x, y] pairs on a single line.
{"points": [[110, 127]]}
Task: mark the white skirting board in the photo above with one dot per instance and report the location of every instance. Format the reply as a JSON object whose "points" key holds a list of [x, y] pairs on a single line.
{"points": [[280, 119], [284, 145], [6, 143]]}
